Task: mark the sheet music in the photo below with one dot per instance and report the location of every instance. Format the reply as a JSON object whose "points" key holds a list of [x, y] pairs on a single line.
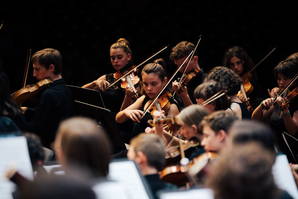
{"points": [[128, 175], [14, 155], [283, 175], [202, 193]]}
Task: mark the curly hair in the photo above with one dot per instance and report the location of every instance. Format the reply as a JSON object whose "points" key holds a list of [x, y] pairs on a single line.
{"points": [[227, 79], [210, 88]]}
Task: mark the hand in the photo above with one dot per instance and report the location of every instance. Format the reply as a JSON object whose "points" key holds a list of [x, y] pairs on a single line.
{"points": [[294, 169], [267, 103], [134, 115], [101, 84], [274, 92], [181, 90]]}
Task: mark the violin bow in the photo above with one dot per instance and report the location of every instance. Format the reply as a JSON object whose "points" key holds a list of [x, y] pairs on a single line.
{"points": [[288, 86], [162, 90], [29, 52], [214, 97], [189, 60], [262, 60], [135, 68]]}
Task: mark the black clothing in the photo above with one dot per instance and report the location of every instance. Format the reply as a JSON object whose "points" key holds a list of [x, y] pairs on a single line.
{"points": [[244, 111], [277, 124], [55, 104], [156, 184], [191, 86]]}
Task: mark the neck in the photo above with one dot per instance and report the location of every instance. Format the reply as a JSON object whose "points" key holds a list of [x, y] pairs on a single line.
{"points": [[147, 170], [56, 77]]}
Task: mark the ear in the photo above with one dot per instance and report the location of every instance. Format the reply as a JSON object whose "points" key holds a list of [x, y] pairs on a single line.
{"points": [[222, 135], [129, 56], [141, 158], [194, 128], [52, 68], [195, 58]]}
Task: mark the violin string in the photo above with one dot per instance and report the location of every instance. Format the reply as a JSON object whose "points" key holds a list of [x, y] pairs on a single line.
{"points": [[133, 69], [169, 81]]}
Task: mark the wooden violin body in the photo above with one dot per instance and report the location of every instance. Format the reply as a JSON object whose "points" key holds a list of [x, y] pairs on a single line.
{"points": [[29, 91]]}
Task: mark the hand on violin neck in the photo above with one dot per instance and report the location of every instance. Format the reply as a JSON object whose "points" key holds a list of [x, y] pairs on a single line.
{"points": [[180, 89], [274, 92]]}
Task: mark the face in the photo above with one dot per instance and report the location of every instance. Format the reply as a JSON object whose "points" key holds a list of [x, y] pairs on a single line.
{"points": [[40, 72], [236, 65], [119, 58], [211, 141], [191, 66], [282, 81], [186, 131], [152, 84]]}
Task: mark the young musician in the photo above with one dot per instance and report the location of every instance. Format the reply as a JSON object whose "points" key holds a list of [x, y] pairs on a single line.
{"points": [[55, 102], [280, 110], [194, 74], [153, 81], [148, 152], [231, 83], [121, 60]]}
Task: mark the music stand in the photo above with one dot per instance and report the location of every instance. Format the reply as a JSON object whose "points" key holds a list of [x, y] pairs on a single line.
{"points": [[87, 95], [104, 117]]}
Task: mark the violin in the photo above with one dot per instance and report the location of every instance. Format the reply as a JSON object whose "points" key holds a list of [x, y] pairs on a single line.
{"points": [[127, 81], [162, 103], [248, 87], [29, 91]]}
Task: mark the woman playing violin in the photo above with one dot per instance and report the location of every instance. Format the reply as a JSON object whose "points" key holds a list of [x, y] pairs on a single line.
{"points": [[207, 90], [237, 59], [280, 110], [121, 58], [153, 81], [194, 74]]}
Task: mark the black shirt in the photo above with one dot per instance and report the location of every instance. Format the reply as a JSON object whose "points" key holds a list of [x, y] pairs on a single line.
{"points": [[55, 104]]}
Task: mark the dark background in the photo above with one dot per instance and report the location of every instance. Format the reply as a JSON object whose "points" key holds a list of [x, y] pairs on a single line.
{"points": [[84, 30]]}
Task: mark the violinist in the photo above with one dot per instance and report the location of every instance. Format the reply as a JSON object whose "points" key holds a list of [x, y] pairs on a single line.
{"points": [[153, 81], [237, 59], [121, 60], [194, 73], [280, 110], [55, 101], [207, 90], [230, 82], [215, 133]]}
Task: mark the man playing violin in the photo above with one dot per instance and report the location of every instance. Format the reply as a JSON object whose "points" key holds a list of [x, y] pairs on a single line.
{"points": [[55, 100], [193, 73]]}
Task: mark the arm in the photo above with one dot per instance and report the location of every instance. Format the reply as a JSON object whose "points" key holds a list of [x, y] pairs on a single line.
{"points": [[291, 123], [98, 84], [260, 112], [129, 98], [132, 112]]}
